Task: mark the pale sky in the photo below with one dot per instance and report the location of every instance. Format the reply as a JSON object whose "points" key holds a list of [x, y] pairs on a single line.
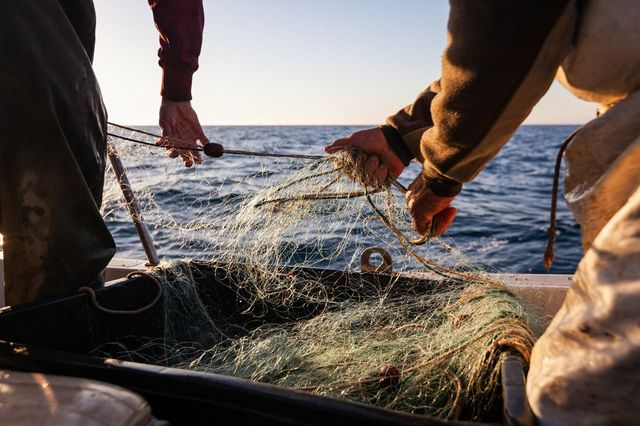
{"points": [[291, 62]]}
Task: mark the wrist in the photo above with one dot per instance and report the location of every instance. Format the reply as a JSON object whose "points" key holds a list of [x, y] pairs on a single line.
{"points": [[397, 144], [440, 184]]}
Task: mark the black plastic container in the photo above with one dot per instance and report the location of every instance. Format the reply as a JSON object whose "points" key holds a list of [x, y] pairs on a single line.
{"points": [[55, 337]]}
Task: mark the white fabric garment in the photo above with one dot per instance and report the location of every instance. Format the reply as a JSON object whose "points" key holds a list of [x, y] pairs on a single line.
{"points": [[604, 64], [585, 369], [603, 169]]}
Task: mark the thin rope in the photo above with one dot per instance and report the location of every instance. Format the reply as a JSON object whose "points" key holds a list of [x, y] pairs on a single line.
{"points": [[386, 220], [548, 254], [432, 266], [321, 195], [94, 301], [149, 143], [200, 149]]}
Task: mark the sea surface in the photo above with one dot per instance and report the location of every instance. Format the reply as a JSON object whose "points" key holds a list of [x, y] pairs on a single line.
{"points": [[503, 214]]}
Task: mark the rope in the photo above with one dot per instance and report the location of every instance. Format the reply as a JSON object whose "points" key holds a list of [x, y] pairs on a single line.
{"points": [[321, 195], [94, 301], [310, 197], [387, 221], [441, 270], [200, 149], [548, 254]]}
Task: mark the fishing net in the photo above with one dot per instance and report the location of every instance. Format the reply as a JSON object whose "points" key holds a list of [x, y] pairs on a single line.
{"points": [[276, 296]]}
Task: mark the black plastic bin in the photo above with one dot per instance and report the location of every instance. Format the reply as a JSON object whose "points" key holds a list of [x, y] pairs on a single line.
{"points": [[56, 337]]}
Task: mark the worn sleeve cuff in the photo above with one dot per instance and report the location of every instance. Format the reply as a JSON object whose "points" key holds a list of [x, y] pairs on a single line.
{"points": [[397, 144], [440, 184], [176, 84], [407, 146]]}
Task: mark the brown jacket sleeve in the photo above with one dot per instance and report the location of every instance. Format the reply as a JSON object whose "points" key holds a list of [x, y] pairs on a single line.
{"points": [[501, 58]]}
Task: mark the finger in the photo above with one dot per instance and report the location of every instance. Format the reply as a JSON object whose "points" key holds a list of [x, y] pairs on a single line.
{"points": [[443, 221], [337, 145], [422, 213], [418, 204], [173, 153], [197, 157], [421, 204], [203, 138], [410, 196], [187, 159], [360, 160], [194, 154], [422, 224], [382, 172], [370, 169], [162, 142], [186, 144]]}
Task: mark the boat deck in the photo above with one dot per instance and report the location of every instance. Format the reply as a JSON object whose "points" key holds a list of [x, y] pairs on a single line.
{"points": [[545, 292]]}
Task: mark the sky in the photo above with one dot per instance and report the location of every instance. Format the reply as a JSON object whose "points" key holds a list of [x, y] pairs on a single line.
{"points": [[282, 62]]}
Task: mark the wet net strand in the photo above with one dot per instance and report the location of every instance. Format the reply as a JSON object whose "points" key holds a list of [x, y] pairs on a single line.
{"points": [[276, 299]]}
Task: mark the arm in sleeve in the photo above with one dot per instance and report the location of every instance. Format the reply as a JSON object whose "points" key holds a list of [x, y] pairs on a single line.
{"points": [[180, 24], [501, 58]]}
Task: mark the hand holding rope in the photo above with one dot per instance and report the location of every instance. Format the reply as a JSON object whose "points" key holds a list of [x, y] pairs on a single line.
{"points": [[211, 149]]}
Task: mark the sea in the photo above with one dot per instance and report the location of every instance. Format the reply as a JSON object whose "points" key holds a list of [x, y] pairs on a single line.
{"points": [[503, 214]]}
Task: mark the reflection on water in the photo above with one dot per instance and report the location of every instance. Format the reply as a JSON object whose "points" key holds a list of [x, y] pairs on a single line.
{"points": [[503, 214]]}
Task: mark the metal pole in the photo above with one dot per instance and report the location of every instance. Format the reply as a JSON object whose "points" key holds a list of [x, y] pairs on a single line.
{"points": [[133, 207]]}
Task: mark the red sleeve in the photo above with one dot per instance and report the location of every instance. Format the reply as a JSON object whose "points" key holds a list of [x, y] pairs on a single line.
{"points": [[180, 23]]}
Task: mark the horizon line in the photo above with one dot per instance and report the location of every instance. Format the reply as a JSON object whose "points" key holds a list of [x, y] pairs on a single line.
{"points": [[333, 125]]}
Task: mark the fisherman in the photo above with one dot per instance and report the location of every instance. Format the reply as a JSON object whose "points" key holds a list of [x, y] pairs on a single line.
{"points": [[500, 60], [53, 128]]}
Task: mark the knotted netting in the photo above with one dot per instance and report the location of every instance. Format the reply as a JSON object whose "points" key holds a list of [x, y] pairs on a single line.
{"points": [[286, 242]]}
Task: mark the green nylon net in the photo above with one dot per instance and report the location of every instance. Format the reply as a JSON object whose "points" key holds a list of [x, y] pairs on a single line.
{"points": [[426, 338]]}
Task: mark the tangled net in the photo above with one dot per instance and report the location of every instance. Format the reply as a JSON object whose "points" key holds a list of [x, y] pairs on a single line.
{"points": [[429, 345]]}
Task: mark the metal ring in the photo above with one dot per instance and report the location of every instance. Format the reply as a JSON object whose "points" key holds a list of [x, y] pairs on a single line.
{"points": [[365, 261]]}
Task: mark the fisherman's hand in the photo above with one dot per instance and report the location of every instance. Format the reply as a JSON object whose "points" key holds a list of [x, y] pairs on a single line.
{"points": [[179, 122], [382, 159], [427, 208]]}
